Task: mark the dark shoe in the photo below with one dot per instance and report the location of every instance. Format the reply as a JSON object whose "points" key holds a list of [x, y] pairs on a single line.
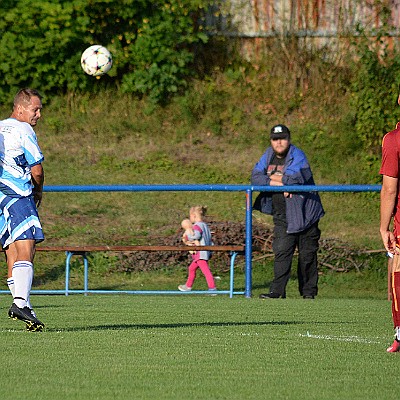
{"points": [[31, 327], [34, 327], [308, 297], [25, 315], [271, 295]]}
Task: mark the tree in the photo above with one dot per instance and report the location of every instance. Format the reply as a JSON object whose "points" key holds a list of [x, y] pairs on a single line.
{"points": [[152, 43]]}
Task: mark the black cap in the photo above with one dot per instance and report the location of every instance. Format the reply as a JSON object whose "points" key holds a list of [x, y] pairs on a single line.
{"points": [[280, 132]]}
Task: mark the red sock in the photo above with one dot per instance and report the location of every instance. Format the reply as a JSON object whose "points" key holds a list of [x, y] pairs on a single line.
{"points": [[396, 298]]}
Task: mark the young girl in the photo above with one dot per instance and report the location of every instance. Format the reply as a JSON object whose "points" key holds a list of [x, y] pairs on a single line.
{"points": [[200, 259]]}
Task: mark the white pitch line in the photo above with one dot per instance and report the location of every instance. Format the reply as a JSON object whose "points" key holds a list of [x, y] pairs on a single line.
{"points": [[356, 339]]}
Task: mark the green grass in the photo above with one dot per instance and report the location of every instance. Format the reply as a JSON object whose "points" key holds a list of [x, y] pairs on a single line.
{"points": [[199, 347], [112, 138]]}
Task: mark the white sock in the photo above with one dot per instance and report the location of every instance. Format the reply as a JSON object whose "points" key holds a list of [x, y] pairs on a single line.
{"points": [[22, 274], [11, 286]]}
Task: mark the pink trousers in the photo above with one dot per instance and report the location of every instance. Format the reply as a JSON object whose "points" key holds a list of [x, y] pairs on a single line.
{"points": [[205, 269]]}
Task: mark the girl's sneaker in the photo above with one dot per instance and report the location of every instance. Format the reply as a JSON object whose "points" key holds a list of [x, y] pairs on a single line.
{"points": [[184, 288]]}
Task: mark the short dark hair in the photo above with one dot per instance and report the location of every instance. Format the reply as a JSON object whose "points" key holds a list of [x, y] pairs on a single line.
{"points": [[25, 95]]}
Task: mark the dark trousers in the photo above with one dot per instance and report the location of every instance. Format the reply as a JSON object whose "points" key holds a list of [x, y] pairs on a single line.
{"points": [[284, 246]]}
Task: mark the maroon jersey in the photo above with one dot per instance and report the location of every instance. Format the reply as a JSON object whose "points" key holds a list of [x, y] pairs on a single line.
{"points": [[390, 167]]}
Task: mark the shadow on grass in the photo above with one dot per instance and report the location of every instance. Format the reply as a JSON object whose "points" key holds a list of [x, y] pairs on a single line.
{"points": [[51, 275], [181, 325]]}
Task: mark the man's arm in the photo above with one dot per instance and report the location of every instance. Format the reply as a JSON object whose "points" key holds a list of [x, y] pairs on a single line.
{"points": [[37, 174], [298, 171], [259, 176], [388, 202], [276, 180]]}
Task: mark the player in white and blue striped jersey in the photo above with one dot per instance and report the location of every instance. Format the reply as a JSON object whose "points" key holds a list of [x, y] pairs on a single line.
{"points": [[21, 186]]}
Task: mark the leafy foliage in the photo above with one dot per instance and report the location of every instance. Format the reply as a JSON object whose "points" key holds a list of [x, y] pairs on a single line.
{"points": [[374, 96], [162, 53], [375, 87], [152, 43]]}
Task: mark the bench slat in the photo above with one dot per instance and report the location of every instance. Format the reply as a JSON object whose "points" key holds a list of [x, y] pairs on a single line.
{"points": [[139, 248]]}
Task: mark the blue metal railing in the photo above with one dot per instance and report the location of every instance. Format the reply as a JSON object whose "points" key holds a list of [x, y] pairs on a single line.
{"points": [[247, 189], [214, 188]]}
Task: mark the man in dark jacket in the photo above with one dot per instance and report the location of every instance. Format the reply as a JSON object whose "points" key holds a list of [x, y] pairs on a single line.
{"points": [[295, 215]]}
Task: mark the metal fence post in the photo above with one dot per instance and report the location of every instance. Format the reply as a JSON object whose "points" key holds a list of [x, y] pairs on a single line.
{"points": [[248, 251]]}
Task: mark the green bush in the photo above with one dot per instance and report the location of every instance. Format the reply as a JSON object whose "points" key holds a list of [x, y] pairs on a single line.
{"points": [[161, 56], [374, 88], [152, 43]]}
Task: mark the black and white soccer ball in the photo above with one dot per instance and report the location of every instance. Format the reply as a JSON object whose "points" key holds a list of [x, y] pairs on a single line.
{"points": [[96, 60]]}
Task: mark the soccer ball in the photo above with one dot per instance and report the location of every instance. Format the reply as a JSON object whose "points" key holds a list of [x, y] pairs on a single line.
{"points": [[96, 60]]}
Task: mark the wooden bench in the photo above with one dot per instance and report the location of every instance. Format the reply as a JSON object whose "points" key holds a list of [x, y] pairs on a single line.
{"points": [[84, 251]]}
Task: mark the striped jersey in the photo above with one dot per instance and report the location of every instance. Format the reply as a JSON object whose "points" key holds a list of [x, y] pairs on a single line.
{"points": [[19, 151]]}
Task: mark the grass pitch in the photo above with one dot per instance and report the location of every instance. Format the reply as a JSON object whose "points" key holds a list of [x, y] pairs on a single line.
{"points": [[199, 347]]}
